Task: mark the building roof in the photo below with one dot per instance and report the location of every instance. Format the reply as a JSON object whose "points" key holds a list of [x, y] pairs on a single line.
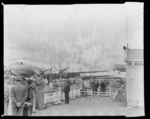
{"points": [[121, 67], [106, 74], [134, 55]]}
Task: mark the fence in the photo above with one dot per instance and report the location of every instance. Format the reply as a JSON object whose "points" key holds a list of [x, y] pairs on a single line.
{"points": [[57, 96]]}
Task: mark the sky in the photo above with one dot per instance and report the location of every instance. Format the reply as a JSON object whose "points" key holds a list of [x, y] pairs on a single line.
{"points": [[87, 37]]}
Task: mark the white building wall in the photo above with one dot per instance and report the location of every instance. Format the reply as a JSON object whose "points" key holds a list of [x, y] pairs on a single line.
{"points": [[128, 83], [134, 36], [135, 85]]}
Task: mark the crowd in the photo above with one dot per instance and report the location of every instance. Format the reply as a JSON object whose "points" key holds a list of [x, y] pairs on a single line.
{"points": [[95, 85], [23, 96], [116, 89]]}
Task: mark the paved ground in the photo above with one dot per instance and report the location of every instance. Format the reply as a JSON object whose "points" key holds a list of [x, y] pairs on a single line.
{"points": [[90, 106]]}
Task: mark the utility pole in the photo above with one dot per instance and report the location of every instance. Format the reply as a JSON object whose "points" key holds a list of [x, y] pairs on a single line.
{"points": [[60, 64]]}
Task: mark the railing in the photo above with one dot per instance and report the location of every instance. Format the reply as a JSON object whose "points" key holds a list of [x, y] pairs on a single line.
{"points": [[50, 96], [57, 96]]}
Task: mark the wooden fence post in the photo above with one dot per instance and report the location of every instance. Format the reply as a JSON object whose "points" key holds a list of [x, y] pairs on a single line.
{"points": [[74, 93], [98, 92], [59, 95]]}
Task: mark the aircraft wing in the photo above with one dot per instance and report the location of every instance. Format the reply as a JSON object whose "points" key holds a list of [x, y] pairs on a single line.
{"points": [[73, 74]]}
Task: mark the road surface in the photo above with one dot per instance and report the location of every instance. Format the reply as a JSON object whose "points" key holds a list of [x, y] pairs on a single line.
{"points": [[90, 106]]}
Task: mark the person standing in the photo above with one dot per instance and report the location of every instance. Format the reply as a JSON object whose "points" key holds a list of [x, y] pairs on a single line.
{"points": [[40, 93], [119, 94], [36, 80], [103, 86], [85, 87], [31, 95], [18, 95], [93, 86], [11, 82], [67, 89], [27, 107], [6, 95], [34, 84], [96, 86], [104, 89]]}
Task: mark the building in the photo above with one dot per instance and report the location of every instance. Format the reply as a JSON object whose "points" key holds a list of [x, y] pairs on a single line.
{"points": [[134, 55], [135, 77]]}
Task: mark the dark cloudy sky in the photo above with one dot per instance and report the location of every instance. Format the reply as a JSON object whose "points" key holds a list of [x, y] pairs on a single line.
{"points": [[87, 36]]}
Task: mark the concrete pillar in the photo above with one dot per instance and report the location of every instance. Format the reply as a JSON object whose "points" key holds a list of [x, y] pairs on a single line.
{"points": [[91, 92], [63, 96], [98, 92], [45, 98], [56, 97], [79, 92], [59, 95], [110, 92], [74, 93], [71, 93]]}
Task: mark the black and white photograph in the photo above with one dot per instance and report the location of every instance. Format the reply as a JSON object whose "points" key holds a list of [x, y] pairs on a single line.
{"points": [[74, 60]]}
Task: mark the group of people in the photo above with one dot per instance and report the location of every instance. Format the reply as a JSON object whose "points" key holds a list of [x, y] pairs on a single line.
{"points": [[22, 96], [101, 85], [117, 90], [95, 85], [64, 86]]}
